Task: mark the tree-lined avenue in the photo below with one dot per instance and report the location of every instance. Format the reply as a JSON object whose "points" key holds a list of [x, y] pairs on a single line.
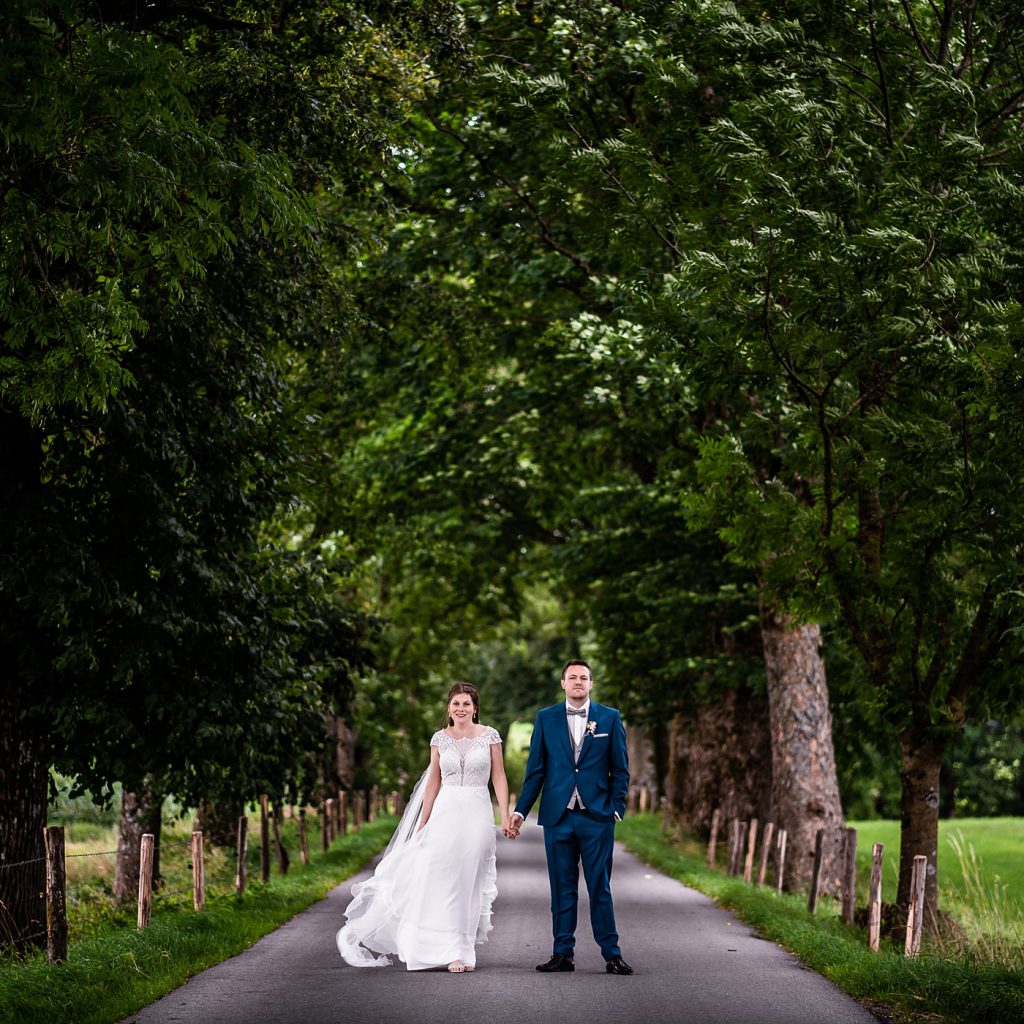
{"points": [[694, 962]]}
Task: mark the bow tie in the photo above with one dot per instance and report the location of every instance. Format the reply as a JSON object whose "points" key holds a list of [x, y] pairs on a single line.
{"points": [[573, 711]]}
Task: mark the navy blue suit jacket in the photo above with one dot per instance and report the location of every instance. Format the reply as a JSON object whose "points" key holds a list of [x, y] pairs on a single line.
{"points": [[601, 775]]}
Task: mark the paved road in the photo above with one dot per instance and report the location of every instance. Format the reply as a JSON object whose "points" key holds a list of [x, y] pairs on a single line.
{"points": [[695, 964]]}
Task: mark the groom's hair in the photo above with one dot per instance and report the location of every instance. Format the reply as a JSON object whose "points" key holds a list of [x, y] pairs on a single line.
{"points": [[576, 661]]}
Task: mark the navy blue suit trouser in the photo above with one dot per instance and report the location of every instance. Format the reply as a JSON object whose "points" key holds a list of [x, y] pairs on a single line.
{"points": [[579, 837]]}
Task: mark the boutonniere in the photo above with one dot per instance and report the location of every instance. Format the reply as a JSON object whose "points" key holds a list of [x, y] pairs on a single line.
{"points": [[591, 727]]}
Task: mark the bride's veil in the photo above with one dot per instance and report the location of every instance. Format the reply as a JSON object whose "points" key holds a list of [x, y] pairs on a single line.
{"points": [[368, 917], [410, 816]]}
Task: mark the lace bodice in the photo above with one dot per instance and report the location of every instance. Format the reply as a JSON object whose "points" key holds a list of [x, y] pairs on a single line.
{"points": [[465, 762]]}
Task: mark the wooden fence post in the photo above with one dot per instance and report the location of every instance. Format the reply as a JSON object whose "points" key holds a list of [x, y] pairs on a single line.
{"points": [[56, 896], [716, 817], [915, 915], [741, 839], [357, 810], [329, 820], [748, 863], [780, 860], [734, 846], [145, 880], [733, 826], [242, 868], [342, 812], [400, 803], [644, 795], [303, 841], [394, 802], [766, 849], [849, 874], [337, 828], [325, 841], [875, 899], [819, 849], [264, 840], [282, 853], [198, 874]]}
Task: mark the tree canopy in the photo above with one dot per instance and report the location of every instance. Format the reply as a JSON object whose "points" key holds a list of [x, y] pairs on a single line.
{"points": [[351, 348], [165, 175]]}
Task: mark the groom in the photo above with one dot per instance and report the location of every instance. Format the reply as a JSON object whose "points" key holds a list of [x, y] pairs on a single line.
{"points": [[579, 766]]}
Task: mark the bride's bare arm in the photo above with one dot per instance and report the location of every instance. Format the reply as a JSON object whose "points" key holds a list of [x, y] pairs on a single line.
{"points": [[432, 787], [500, 784]]}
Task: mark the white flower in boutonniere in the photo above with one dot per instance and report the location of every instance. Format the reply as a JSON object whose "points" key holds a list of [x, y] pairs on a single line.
{"points": [[591, 727]]}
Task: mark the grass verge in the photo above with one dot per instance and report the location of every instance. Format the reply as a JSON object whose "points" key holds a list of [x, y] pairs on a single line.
{"points": [[110, 975], [956, 989]]}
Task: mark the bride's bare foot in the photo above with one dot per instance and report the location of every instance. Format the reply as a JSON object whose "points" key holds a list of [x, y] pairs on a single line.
{"points": [[458, 967]]}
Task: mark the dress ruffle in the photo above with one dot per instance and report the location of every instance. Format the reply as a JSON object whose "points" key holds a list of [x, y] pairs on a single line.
{"points": [[429, 901]]}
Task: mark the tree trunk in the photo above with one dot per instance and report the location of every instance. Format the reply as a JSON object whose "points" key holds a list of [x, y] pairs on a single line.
{"points": [[642, 769], [218, 821], [919, 820], [140, 813], [24, 781], [805, 791], [24, 774], [720, 756], [345, 762]]}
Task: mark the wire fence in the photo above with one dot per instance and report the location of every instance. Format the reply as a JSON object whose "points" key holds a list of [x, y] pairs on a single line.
{"points": [[20, 863], [23, 940], [97, 898], [13, 920], [837, 845]]}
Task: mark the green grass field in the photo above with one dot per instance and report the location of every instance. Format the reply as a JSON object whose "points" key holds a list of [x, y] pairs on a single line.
{"points": [[943, 986], [999, 843], [981, 876]]}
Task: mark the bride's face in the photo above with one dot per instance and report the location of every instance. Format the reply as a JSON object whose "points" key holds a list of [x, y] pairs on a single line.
{"points": [[460, 708]]}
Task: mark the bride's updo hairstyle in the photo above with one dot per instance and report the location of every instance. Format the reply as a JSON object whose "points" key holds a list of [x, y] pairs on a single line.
{"points": [[470, 690]]}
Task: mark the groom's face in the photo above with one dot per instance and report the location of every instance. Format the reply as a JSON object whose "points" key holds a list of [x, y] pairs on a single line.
{"points": [[577, 683]]}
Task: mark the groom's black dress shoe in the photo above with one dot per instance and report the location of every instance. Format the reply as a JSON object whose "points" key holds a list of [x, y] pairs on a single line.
{"points": [[617, 966], [559, 962]]}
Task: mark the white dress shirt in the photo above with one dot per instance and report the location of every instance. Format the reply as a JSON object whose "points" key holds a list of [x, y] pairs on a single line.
{"points": [[577, 723]]}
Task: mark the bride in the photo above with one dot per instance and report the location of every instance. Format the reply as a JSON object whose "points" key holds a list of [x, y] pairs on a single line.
{"points": [[429, 901]]}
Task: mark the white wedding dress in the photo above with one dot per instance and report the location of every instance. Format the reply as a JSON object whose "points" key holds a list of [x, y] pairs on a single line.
{"points": [[429, 901]]}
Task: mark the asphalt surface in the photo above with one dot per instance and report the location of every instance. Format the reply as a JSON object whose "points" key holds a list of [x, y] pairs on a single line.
{"points": [[694, 963]]}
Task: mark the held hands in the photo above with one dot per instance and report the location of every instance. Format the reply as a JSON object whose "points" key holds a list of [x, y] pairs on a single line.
{"points": [[510, 826]]}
